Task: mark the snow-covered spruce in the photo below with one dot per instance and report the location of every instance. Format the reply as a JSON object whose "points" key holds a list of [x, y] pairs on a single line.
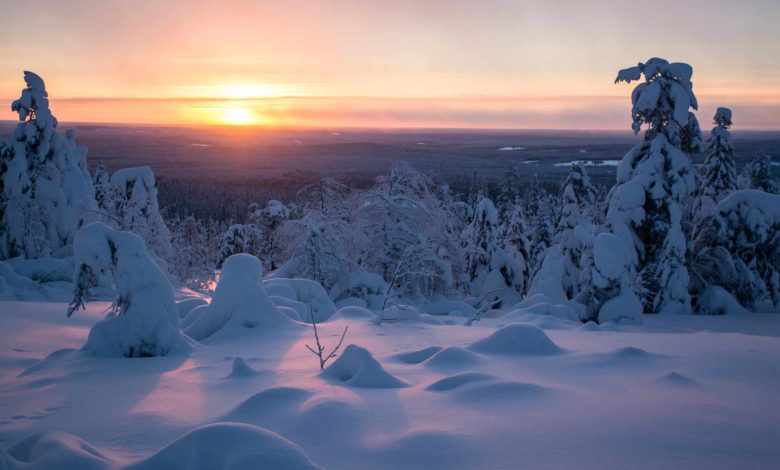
{"points": [[145, 321], [239, 303], [47, 192], [653, 179], [559, 275], [514, 236], [539, 213], [719, 176]]}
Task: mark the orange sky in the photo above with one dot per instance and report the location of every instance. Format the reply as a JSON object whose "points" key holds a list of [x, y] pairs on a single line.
{"points": [[402, 63]]}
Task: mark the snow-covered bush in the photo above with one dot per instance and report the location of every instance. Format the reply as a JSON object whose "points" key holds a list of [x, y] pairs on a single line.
{"points": [[610, 295], [748, 222], [47, 192], [653, 179], [145, 321], [240, 302], [758, 175]]}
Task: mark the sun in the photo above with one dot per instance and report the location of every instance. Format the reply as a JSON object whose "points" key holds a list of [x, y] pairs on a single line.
{"points": [[237, 115]]}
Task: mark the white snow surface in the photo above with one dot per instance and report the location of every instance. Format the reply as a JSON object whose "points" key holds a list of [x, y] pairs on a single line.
{"points": [[518, 390]]}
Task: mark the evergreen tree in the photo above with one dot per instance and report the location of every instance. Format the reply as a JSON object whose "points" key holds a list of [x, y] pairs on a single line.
{"points": [[653, 179], [47, 190], [719, 174]]}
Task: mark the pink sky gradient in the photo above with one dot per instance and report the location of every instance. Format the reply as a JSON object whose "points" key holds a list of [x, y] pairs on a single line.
{"points": [[492, 64]]}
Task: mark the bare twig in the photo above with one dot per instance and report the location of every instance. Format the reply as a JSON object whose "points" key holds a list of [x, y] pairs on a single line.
{"points": [[488, 306], [320, 351]]}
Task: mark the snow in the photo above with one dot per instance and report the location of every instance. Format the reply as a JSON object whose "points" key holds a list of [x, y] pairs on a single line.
{"points": [[675, 390], [240, 303]]}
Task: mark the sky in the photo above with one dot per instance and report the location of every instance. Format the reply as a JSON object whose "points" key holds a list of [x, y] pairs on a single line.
{"points": [[386, 63]]}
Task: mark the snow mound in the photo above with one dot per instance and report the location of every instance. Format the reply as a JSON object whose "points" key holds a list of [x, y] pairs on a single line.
{"points": [[525, 340], [679, 380], [241, 369], [416, 357], [228, 446], [51, 450], [459, 380], [590, 326], [308, 292], [452, 358], [629, 356], [353, 313], [715, 300], [239, 303], [356, 367], [272, 401]]}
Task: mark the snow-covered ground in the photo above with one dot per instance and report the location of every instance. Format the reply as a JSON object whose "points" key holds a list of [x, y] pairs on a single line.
{"points": [[520, 391]]}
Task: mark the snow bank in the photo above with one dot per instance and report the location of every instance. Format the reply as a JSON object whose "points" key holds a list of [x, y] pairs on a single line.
{"points": [[524, 340], [228, 445], [239, 303], [306, 291], [356, 367], [147, 321]]}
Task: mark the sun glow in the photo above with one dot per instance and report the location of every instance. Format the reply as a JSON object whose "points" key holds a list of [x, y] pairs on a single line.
{"points": [[236, 114]]}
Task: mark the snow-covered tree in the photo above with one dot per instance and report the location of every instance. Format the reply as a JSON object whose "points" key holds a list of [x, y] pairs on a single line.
{"points": [[653, 179], [491, 271], [269, 220], [719, 176], [194, 263], [541, 226], [145, 321], [47, 190], [513, 233], [103, 193], [758, 175], [508, 191], [560, 272], [240, 238], [135, 208]]}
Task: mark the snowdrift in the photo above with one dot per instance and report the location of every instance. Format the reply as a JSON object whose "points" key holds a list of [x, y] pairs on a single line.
{"points": [[240, 303], [519, 339], [356, 367], [214, 446]]}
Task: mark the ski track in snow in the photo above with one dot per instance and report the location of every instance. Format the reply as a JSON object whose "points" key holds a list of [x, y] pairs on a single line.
{"points": [[692, 392]]}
